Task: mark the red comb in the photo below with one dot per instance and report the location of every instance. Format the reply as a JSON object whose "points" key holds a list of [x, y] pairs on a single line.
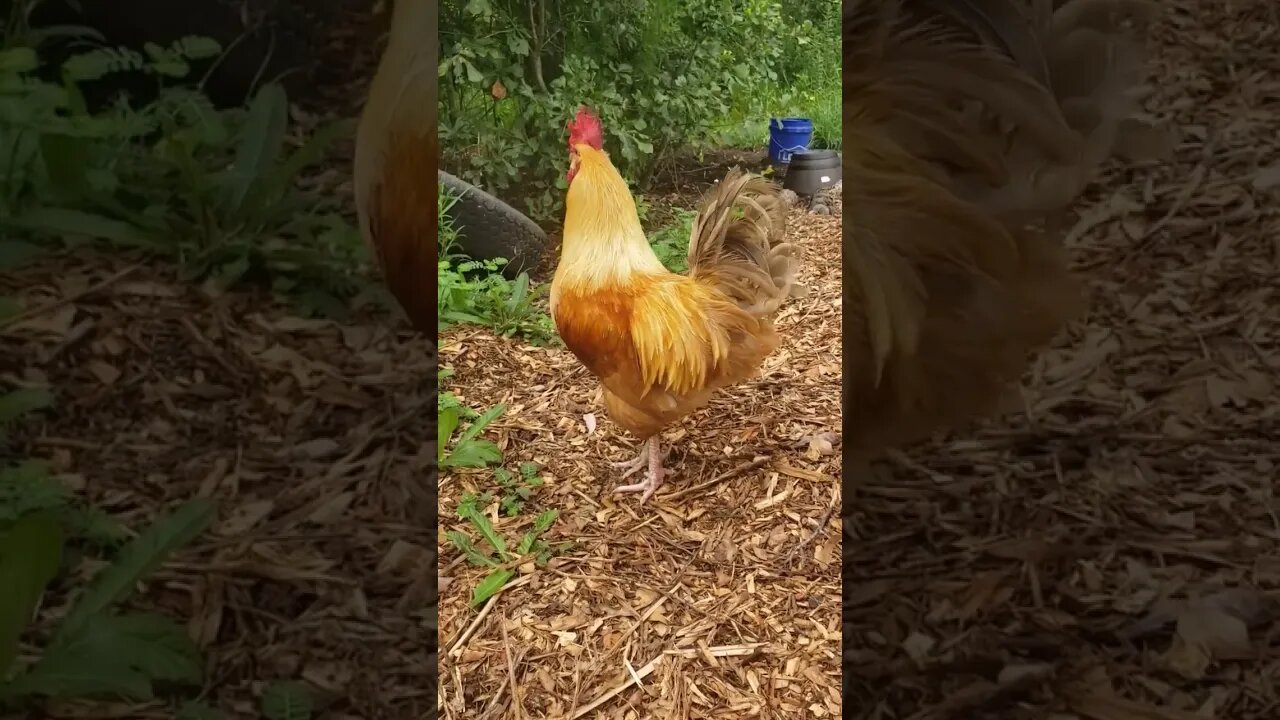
{"points": [[585, 128]]}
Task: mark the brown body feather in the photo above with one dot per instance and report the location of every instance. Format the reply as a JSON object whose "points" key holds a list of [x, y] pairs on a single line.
{"points": [[662, 343], [396, 165], [956, 137]]}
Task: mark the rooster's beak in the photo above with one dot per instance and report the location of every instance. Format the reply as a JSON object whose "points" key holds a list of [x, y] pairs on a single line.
{"points": [[573, 167]]}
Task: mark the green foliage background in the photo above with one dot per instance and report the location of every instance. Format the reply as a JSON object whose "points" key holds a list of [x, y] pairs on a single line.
{"points": [[665, 75]]}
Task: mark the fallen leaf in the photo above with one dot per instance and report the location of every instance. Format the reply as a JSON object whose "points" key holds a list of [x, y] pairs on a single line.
{"points": [[1267, 178], [1024, 672], [105, 374], [917, 646], [1214, 628], [332, 509], [245, 516]]}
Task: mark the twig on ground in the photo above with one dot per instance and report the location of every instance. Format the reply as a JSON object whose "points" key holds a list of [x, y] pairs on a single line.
{"points": [[820, 529], [460, 643]]}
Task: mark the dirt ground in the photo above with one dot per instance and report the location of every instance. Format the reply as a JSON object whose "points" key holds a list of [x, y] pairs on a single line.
{"points": [[1112, 553], [693, 605], [314, 438]]}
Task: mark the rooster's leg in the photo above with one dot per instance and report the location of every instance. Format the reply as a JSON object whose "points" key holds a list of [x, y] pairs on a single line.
{"points": [[656, 475], [636, 463]]}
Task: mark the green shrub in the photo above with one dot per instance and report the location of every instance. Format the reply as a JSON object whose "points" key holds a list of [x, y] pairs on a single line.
{"points": [[475, 291], [215, 189], [663, 75]]}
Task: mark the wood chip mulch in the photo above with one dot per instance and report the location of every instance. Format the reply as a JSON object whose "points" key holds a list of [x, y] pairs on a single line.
{"points": [[693, 605], [1113, 553], [316, 440]]}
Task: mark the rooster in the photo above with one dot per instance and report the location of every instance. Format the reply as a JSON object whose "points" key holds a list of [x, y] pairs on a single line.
{"points": [[395, 162], [964, 122], [662, 343]]}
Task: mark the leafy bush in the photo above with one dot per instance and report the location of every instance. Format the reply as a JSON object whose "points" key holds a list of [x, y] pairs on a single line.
{"points": [[177, 177], [663, 74], [530, 544], [95, 650], [671, 243], [475, 292]]}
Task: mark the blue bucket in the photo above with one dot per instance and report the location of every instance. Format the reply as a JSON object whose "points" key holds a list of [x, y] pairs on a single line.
{"points": [[788, 135]]}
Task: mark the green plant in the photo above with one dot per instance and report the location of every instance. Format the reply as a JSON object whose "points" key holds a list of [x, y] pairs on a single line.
{"points": [[30, 553], [96, 649], [288, 700], [282, 700], [671, 243], [217, 190], [468, 450], [500, 558], [665, 76], [517, 488], [23, 401], [475, 292], [28, 487]]}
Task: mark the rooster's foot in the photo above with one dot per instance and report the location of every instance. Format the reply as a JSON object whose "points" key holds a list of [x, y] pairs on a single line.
{"points": [[634, 464], [639, 461], [654, 478]]}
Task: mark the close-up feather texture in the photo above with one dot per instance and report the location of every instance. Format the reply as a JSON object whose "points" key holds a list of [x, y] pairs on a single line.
{"points": [[966, 122]]}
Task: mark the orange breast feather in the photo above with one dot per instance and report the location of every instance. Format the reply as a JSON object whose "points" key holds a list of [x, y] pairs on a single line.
{"points": [[403, 225], [660, 346], [596, 327]]}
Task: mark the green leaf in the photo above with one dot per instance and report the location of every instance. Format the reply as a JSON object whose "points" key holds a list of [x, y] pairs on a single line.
{"points": [[23, 401], [463, 543], [171, 68], [485, 527], [16, 253], [30, 553], [61, 222], [476, 453], [472, 502], [479, 424], [196, 47], [490, 585], [37, 36], [447, 423], [94, 525], [545, 520], [28, 488], [312, 151], [473, 74], [9, 308], [114, 655], [18, 60], [519, 289], [64, 163], [134, 562], [288, 701], [260, 144], [79, 676]]}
